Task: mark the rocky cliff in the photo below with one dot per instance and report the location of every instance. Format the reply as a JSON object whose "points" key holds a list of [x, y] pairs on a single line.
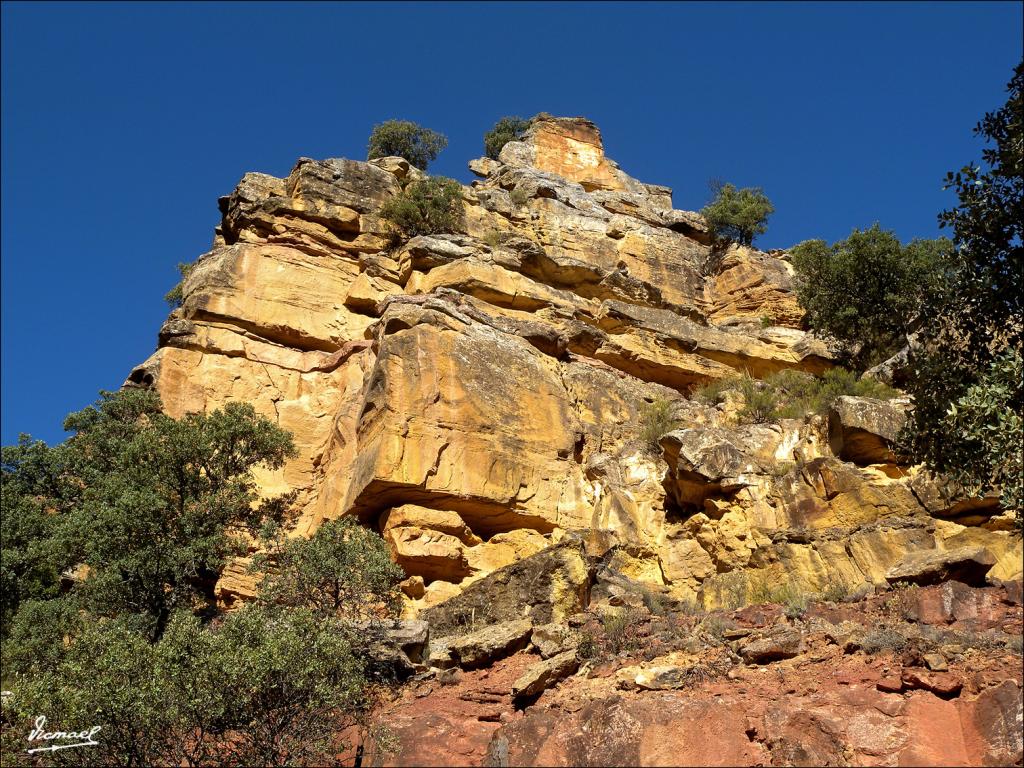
{"points": [[480, 397]]}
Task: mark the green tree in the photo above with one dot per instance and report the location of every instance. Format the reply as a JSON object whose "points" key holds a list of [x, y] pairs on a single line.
{"points": [[968, 339], [426, 207], [510, 128], [419, 145], [737, 214], [34, 493], [143, 500], [868, 292], [343, 570], [264, 687]]}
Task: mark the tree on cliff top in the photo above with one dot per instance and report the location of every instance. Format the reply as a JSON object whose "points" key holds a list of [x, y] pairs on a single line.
{"points": [[510, 128], [419, 145], [737, 214]]}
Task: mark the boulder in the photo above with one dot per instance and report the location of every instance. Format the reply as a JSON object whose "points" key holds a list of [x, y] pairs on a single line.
{"points": [[864, 429], [544, 675], [965, 564], [552, 639], [782, 643], [546, 587], [481, 647]]}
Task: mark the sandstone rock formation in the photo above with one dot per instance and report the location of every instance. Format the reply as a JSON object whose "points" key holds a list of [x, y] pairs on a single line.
{"points": [[480, 397], [475, 394]]}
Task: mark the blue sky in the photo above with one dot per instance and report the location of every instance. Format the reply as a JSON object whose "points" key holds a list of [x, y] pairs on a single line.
{"points": [[123, 124]]}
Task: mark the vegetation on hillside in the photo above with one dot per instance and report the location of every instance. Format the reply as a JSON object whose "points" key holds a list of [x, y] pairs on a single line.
{"points": [[403, 138], [965, 368], [112, 542], [791, 394], [963, 303]]}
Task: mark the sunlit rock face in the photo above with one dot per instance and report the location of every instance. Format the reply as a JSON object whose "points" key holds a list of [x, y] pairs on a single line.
{"points": [[478, 395]]}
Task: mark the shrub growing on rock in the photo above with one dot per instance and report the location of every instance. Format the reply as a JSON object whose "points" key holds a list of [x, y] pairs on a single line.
{"points": [[175, 296], [792, 394], [655, 421], [737, 214], [505, 130], [427, 207], [419, 145]]}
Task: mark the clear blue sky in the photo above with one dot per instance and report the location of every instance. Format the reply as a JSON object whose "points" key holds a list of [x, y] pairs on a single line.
{"points": [[123, 123]]}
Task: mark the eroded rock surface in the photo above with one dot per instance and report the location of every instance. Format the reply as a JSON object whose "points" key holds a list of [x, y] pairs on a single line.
{"points": [[488, 400]]}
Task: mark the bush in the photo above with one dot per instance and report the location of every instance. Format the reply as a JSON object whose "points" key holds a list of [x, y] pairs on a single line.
{"points": [[265, 688], [493, 238], [653, 601], [519, 196], [505, 130], [147, 502], [867, 292], [655, 421], [737, 214], [419, 145], [344, 570], [792, 394], [883, 639], [620, 628], [175, 296], [987, 422], [428, 207]]}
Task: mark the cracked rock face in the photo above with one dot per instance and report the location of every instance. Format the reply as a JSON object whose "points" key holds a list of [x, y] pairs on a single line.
{"points": [[478, 395]]}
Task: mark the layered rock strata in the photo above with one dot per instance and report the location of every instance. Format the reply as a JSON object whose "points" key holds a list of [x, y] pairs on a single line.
{"points": [[478, 395]]}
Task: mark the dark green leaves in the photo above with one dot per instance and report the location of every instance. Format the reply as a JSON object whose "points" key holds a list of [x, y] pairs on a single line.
{"points": [[868, 292], [507, 129], [737, 214], [426, 207], [403, 138]]}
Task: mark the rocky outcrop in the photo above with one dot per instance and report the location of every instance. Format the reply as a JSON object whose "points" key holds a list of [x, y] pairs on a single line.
{"points": [[883, 680], [512, 406]]}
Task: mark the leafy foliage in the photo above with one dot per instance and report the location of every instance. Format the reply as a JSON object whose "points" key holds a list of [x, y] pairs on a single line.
{"points": [[655, 420], [176, 295], [344, 570], [31, 560], [505, 130], [792, 394], [991, 429], [265, 688], [403, 138], [132, 642], [868, 292], [737, 214], [142, 500], [968, 337], [427, 207]]}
